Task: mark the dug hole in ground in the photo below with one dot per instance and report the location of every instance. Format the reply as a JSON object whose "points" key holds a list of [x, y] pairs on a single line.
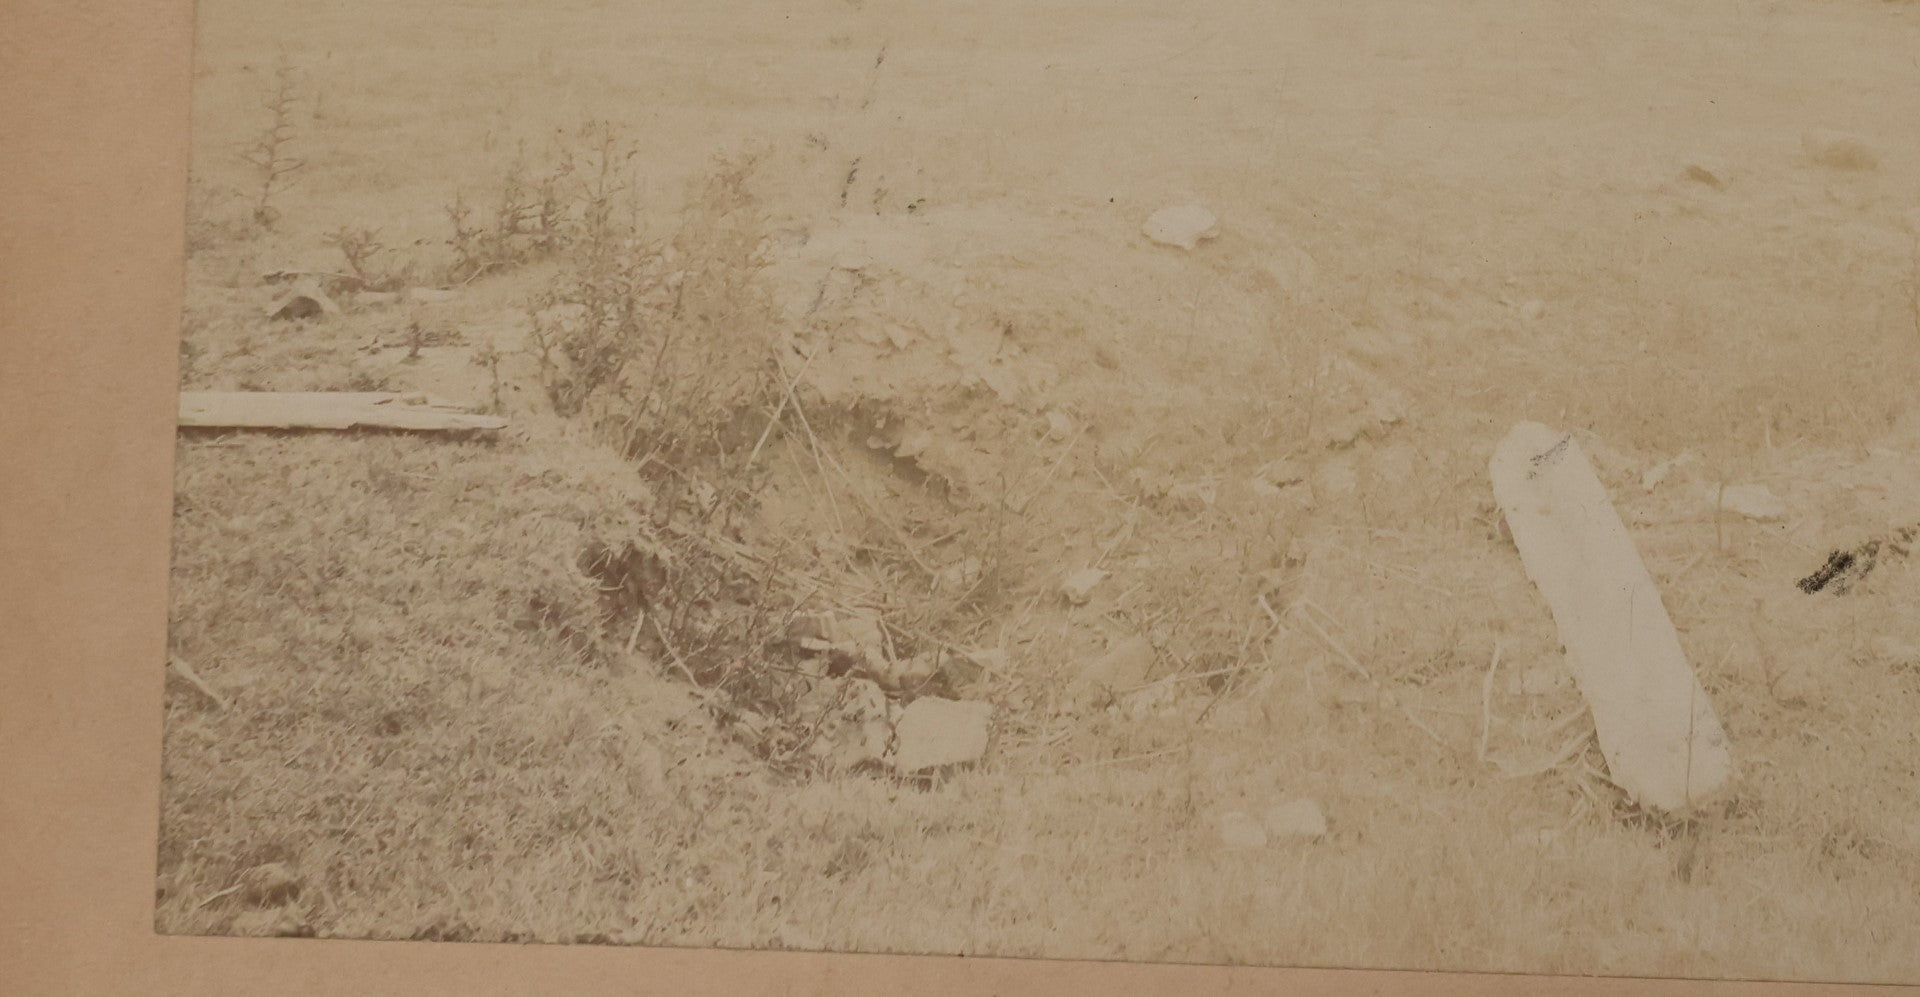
{"points": [[1014, 480]]}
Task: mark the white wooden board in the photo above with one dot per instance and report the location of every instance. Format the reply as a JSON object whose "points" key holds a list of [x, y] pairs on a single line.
{"points": [[1663, 743], [327, 410]]}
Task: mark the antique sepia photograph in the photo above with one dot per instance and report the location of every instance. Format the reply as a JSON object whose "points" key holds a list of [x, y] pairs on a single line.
{"points": [[1245, 482]]}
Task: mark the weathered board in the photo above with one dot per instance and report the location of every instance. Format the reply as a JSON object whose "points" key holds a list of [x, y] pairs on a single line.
{"points": [[1663, 743], [327, 410]]}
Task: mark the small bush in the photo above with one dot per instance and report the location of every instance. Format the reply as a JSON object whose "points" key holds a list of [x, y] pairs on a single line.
{"points": [[527, 220], [274, 165], [365, 258]]}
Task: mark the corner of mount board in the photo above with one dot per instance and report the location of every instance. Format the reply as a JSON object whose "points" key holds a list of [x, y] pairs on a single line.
{"points": [[1663, 742]]}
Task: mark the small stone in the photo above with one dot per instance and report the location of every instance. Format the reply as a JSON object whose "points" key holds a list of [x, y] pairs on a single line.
{"points": [[1124, 666], [1337, 477], [647, 773], [1295, 819], [961, 575], [1542, 679], [1756, 502], [1194, 496], [1278, 476], [1291, 269], [1533, 311], [280, 923], [1240, 831], [1078, 587], [1181, 225], [1795, 686], [1156, 699], [1059, 425], [305, 301], [1894, 651], [1838, 150], [934, 733], [269, 884], [1653, 476]]}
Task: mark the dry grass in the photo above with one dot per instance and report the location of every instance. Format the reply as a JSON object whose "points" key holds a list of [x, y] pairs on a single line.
{"points": [[436, 719]]}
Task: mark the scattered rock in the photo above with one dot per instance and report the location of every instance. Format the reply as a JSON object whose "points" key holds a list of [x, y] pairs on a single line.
{"points": [[1700, 174], [1653, 476], [1059, 425], [1353, 404], [960, 575], [1541, 680], [1756, 502], [647, 773], [1896, 652], [1295, 819], [1124, 666], [270, 884], [1795, 685], [431, 294], [1337, 477], [1182, 225], [1278, 476], [281, 923], [934, 733], [1156, 699], [1078, 587], [860, 730], [305, 301], [961, 670], [847, 640], [1239, 830], [1291, 269], [1838, 150], [1194, 496]]}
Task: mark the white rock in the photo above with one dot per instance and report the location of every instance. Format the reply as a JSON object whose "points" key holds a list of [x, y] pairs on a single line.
{"points": [[934, 733], [1078, 587], [1653, 476], [1239, 830], [1291, 269], [1124, 666], [1894, 651], [1756, 502], [1542, 679], [1182, 225], [1295, 819]]}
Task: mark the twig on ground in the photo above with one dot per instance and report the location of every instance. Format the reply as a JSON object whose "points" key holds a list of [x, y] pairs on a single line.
{"points": [[1338, 648], [1486, 702], [633, 636], [185, 671], [211, 897]]}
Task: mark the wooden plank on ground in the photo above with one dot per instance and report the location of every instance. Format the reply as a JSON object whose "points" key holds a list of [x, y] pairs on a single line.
{"points": [[328, 410], [1663, 743]]}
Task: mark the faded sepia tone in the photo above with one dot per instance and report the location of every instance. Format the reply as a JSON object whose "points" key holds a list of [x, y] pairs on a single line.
{"points": [[1114, 385]]}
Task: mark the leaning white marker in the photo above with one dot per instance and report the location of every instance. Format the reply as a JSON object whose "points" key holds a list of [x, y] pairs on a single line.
{"points": [[1663, 744]]}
